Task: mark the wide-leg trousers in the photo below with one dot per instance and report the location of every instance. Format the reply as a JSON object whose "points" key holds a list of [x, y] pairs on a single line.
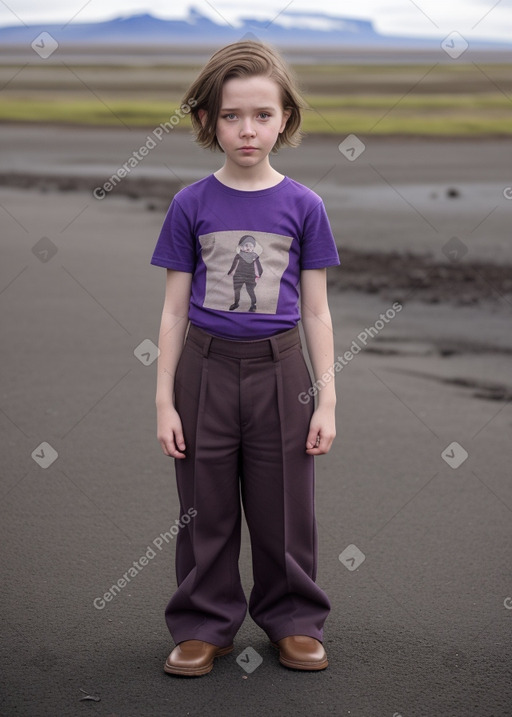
{"points": [[245, 431]]}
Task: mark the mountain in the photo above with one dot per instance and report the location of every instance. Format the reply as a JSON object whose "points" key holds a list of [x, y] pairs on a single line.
{"points": [[289, 28]]}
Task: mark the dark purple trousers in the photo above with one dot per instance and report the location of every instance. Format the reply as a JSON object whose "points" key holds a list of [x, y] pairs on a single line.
{"points": [[245, 433]]}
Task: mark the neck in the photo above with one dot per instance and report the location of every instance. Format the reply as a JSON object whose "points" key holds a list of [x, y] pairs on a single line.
{"points": [[248, 178]]}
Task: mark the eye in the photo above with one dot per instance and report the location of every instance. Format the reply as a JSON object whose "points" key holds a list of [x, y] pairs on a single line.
{"points": [[264, 115], [229, 115]]}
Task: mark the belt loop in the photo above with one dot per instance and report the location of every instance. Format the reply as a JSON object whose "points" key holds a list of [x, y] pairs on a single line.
{"points": [[275, 348], [206, 346]]}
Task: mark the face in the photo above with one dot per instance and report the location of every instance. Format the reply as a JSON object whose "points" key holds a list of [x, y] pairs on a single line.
{"points": [[250, 120]]}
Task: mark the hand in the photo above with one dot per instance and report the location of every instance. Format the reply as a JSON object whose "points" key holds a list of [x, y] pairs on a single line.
{"points": [[170, 432], [322, 431]]}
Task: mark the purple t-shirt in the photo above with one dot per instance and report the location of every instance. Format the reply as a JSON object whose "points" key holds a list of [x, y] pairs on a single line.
{"points": [[246, 250]]}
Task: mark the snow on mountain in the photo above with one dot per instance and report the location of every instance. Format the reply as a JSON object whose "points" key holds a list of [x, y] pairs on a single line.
{"points": [[287, 29]]}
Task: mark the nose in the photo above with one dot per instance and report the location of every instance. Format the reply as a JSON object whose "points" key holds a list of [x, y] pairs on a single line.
{"points": [[247, 129]]}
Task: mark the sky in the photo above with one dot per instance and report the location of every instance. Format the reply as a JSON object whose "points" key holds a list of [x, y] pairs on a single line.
{"points": [[489, 19]]}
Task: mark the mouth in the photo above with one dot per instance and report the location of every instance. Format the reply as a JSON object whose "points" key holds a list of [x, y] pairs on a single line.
{"points": [[247, 148]]}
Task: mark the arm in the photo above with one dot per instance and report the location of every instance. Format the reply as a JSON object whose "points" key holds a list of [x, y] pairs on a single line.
{"points": [[234, 264], [316, 320], [170, 342]]}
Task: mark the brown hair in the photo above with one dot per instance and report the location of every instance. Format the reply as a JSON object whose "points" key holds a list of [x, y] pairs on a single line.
{"points": [[245, 58]]}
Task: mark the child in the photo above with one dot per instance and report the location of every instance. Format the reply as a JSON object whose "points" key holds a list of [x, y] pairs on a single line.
{"points": [[227, 390], [247, 270]]}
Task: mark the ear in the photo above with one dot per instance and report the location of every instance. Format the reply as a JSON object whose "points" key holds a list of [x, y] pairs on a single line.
{"points": [[286, 117], [202, 116]]}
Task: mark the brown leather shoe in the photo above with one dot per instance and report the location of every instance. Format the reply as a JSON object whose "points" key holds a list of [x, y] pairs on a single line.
{"points": [[300, 652], [193, 658]]}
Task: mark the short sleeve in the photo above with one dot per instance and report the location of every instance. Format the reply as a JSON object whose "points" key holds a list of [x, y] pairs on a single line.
{"points": [[175, 247], [318, 246]]}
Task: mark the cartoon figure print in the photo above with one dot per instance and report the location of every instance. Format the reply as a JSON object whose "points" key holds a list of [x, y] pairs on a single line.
{"points": [[247, 270]]}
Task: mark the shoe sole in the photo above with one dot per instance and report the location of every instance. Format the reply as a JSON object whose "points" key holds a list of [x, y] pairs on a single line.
{"points": [[197, 671], [304, 666]]}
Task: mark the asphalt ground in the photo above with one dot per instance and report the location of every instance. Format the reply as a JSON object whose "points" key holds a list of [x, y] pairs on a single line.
{"points": [[422, 595]]}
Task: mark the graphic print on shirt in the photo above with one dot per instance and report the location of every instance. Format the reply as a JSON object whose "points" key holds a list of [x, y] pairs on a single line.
{"points": [[244, 270]]}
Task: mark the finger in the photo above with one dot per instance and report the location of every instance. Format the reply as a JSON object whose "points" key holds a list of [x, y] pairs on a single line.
{"points": [[315, 449], [163, 445], [175, 453], [170, 449], [179, 440], [313, 438], [322, 445]]}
